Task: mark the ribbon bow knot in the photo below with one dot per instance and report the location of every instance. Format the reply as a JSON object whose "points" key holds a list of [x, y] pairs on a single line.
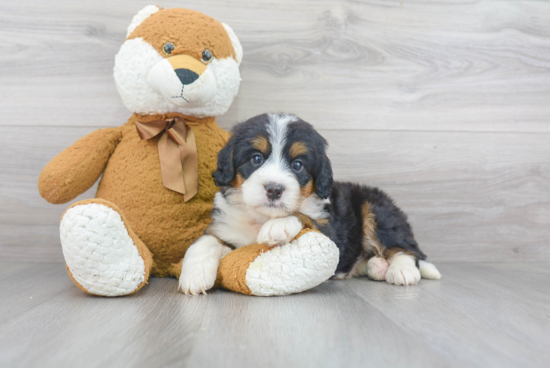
{"points": [[177, 152]]}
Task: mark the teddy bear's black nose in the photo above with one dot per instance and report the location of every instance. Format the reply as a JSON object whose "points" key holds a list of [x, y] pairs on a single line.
{"points": [[186, 76]]}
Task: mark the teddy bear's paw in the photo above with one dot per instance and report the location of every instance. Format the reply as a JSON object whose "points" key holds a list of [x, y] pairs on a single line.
{"points": [[279, 231], [297, 266], [100, 254], [200, 266], [402, 271]]}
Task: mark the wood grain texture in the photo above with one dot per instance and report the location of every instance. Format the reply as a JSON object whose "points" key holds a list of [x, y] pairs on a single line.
{"points": [[327, 327], [29, 226], [410, 65], [469, 196], [487, 315], [478, 315], [110, 332], [21, 291], [443, 104]]}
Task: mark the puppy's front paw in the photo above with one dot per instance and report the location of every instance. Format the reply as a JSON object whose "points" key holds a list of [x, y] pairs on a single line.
{"points": [[200, 266], [198, 278], [279, 231], [402, 274]]}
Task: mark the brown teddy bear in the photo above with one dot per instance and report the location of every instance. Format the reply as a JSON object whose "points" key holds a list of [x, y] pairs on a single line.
{"points": [[177, 69]]}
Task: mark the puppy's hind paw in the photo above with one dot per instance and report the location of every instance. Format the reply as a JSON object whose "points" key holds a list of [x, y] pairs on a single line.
{"points": [[377, 268]]}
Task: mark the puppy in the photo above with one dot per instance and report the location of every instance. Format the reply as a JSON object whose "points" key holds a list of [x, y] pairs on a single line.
{"points": [[275, 178]]}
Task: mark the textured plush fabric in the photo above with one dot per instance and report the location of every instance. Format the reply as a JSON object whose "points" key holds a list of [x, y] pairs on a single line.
{"points": [[233, 267], [78, 167], [140, 17], [304, 263], [136, 227], [263, 270], [170, 24], [132, 180], [159, 216], [158, 220], [191, 33], [104, 256]]}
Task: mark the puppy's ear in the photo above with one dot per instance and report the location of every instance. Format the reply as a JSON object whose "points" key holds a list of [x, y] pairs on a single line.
{"points": [[323, 180], [225, 173]]}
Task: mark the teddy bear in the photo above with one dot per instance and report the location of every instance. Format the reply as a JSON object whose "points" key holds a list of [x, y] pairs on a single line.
{"points": [[176, 71]]}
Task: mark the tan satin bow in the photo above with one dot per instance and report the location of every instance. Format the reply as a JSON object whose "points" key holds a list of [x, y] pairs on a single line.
{"points": [[178, 154]]}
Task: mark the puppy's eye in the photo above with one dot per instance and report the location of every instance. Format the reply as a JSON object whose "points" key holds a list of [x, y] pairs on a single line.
{"points": [[206, 56], [257, 159], [297, 165], [168, 48]]}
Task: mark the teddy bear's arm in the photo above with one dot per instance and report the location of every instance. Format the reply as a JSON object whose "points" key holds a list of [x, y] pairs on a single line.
{"points": [[258, 269], [77, 168]]}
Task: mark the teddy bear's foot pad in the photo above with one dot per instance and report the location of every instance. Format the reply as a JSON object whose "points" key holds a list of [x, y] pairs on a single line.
{"points": [[100, 254], [302, 264]]}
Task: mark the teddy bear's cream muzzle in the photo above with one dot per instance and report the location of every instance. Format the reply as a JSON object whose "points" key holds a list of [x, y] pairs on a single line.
{"points": [[183, 81]]}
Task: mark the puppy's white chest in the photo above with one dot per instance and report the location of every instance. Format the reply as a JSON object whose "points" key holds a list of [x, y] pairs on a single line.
{"points": [[234, 224]]}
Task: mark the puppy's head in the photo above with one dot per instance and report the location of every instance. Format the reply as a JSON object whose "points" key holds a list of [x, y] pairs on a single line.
{"points": [[276, 161]]}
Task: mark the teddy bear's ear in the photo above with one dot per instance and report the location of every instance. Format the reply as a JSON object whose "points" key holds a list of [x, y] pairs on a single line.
{"points": [[141, 16], [236, 43]]}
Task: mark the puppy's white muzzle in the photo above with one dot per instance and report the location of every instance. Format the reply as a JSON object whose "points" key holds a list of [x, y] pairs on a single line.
{"points": [[183, 81], [255, 190]]}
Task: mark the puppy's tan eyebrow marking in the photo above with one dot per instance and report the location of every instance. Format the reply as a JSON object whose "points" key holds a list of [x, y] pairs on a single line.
{"points": [[307, 189], [297, 149], [261, 144]]}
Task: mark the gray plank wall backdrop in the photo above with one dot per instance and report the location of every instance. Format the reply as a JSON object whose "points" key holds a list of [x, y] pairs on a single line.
{"points": [[444, 104]]}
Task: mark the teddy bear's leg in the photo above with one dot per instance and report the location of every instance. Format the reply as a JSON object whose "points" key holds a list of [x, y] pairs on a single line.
{"points": [[103, 255], [307, 261], [262, 270]]}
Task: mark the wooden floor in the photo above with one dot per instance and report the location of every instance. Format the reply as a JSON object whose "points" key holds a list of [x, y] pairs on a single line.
{"points": [[478, 315]]}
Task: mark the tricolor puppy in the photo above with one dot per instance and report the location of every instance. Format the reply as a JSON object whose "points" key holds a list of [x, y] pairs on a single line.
{"points": [[275, 178]]}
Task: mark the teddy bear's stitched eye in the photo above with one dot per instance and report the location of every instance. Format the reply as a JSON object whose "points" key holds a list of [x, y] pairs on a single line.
{"points": [[168, 48], [206, 56]]}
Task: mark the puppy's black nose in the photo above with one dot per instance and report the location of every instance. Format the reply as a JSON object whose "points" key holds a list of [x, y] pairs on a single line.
{"points": [[186, 76], [274, 191]]}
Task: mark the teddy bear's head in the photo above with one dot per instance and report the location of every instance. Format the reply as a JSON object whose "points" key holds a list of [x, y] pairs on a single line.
{"points": [[178, 60]]}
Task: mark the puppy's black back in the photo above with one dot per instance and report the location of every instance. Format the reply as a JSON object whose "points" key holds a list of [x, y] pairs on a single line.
{"points": [[345, 225]]}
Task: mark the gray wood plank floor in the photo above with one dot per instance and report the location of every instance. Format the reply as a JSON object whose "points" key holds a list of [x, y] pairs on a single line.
{"points": [[478, 315]]}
